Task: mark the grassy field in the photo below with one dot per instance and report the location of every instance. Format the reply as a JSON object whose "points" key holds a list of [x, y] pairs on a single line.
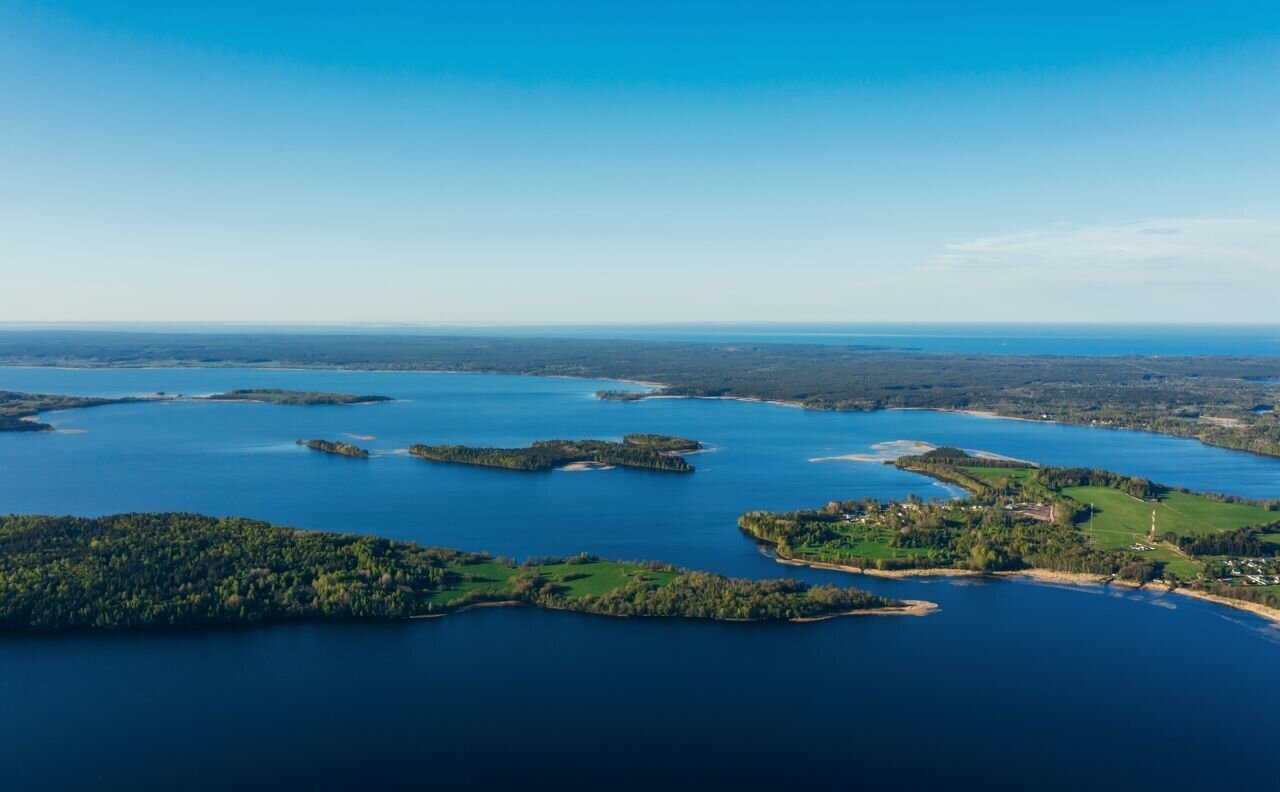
{"points": [[600, 577], [858, 541], [1120, 520], [575, 580], [995, 474]]}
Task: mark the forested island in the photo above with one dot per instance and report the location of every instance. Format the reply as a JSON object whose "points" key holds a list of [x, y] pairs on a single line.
{"points": [[647, 451], [1221, 400], [335, 447], [1019, 517], [170, 570], [17, 408], [304, 398]]}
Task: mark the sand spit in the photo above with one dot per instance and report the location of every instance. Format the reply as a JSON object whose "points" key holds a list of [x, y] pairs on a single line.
{"points": [[578, 467], [883, 452], [911, 608], [894, 449]]}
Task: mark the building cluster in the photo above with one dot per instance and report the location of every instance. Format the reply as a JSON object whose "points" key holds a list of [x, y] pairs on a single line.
{"points": [[1250, 572]]}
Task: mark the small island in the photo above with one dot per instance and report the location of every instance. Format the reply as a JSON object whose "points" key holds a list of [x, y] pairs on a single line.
{"points": [[170, 570], [1071, 524], [18, 410], [335, 447], [291, 397], [624, 395], [646, 451]]}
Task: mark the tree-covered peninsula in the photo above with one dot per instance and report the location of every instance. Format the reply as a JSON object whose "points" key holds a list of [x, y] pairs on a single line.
{"points": [[153, 571], [335, 447], [304, 398], [17, 408], [1018, 517], [647, 451]]}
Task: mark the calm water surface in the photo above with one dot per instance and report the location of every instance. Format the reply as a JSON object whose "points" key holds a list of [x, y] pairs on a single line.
{"points": [[1010, 684]]}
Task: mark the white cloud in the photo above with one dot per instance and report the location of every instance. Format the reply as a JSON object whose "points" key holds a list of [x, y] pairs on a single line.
{"points": [[1174, 250]]}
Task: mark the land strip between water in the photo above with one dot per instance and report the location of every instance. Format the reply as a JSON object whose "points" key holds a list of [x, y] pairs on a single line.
{"points": [[1067, 525], [1228, 401]]}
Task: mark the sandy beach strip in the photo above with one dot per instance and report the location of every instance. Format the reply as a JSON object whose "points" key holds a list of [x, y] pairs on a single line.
{"points": [[1045, 576], [578, 467], [1271, 614]]}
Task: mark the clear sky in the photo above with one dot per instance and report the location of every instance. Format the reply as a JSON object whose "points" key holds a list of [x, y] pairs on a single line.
{"points": [[640, 161]]}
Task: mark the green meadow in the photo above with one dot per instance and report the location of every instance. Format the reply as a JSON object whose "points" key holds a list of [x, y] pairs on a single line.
{"points": [[990, 474], [573, 579], [1119, 520], [857, 541]]}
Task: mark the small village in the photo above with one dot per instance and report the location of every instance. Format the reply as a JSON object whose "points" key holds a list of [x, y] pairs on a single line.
{"points": [[1251, 572]]}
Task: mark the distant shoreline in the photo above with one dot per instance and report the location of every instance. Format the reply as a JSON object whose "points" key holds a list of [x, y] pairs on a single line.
{"points": [[657, 393]]}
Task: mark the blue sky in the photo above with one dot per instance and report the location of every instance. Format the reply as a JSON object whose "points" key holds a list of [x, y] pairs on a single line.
{"points": [[639, 161]]}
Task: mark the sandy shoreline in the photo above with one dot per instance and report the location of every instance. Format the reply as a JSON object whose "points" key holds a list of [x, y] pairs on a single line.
{"points": [[912, 608], [579, 467], [472, 606], [1270, 614], [883, 573], [1043, 576], [751, 399]]}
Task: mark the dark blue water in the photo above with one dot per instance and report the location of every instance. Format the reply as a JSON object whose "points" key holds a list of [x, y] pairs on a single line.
{"points": [[1011, 684]]}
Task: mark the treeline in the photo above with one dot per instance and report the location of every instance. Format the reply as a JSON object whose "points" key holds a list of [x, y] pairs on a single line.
{"points": [[706, 596], [651, 452], [305, 398], [622, 395], [659, 442], [136, 571], [335, 447], [1246, 542], [1057, 478], [947, 455]]}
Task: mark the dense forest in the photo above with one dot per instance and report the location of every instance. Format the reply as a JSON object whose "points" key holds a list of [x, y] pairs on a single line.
{"points": [[1217, 399], [278, 396], [335, 447], [651, 452], [170, 570], [16, 408], [658, 442]]}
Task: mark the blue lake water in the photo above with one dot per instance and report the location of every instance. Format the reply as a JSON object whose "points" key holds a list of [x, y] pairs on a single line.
{"points": [[1011, 684]]}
